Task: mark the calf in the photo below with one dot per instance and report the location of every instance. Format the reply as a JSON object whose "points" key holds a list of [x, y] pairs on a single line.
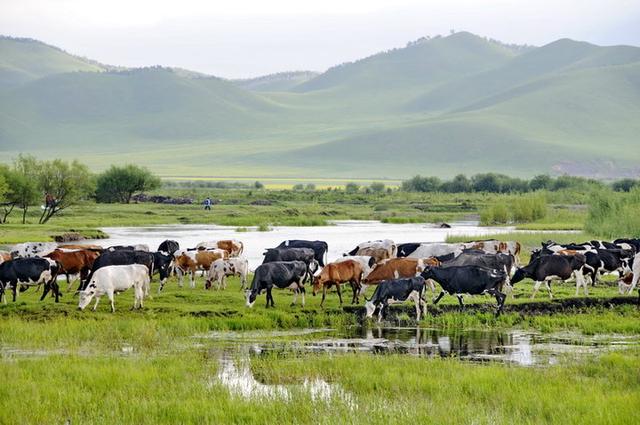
{"points": [[336, 273], [281, 274], [472, 280], [394, 291], [220, 269], [320, 248], [110, 280], [191, 261], [547, 268], [29, 272], [78, 262]]}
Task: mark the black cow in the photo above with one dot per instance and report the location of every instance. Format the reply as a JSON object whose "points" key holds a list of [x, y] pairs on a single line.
{"points": [[404, 249], [546, 268], [29, 272], [169, 246], [479, 258], [472, 280], [320, 248], [396, 290], [121, 257], [306, 255], [281, 274]]}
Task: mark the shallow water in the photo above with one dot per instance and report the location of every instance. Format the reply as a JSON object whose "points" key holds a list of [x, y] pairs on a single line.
{"points": [[342, 236]]}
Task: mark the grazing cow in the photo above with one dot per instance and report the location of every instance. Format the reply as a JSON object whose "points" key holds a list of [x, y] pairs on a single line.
{"points": [[29, 272], [138, 247], [306, 255], [220, 269], [32, 249], [110, 280], [190, 261], [169, 246], [472, 280], [547, 268], [366, 261], [396, 291], [427, 250], [233, 246], [320, 248], [78, 262], [122, 258], [365, 247], [335, 274], [281, 274], [162, 263]]}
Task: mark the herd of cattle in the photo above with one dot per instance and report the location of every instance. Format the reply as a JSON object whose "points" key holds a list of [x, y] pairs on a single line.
{"points": [[399, 272]]}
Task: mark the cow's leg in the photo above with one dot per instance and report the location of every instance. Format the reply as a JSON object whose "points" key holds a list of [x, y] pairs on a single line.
{"points": [[303, 292], [180, 274], [363, 288], [536, 286], [354, 290], [438, 298], [96, 304], [500, 298], [416, 300], [548, 283], [324, 294], [460, 301], [269, 297], [339, 293], [295, 296], [56, 289], [111, 299], [47, 288], [193, 279]]}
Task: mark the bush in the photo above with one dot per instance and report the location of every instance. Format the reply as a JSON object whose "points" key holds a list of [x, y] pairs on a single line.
{"points": [[625, 185], [495, 214], [352, 187], [614, 215], [529, 208]]}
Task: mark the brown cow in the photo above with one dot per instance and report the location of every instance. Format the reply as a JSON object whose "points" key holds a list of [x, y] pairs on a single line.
{"points": [[233, 246], [378, 254], [399, 268], [74, 262], [337, 273], [81, 246], [191, 261]]}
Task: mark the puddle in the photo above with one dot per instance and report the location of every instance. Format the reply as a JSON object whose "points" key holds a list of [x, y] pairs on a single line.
{"points": [[235, 374]]}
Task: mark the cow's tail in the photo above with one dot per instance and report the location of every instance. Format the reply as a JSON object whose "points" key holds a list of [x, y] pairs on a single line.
{"points": [[241, 248]]}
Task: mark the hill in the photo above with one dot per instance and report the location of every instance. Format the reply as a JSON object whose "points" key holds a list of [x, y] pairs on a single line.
{"points": [[438, 106]]}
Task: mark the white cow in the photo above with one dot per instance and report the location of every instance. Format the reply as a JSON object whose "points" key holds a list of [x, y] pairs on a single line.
{"points": [[114, 279], [32, 249], [426, 250], [364, 260], [220, 269]]}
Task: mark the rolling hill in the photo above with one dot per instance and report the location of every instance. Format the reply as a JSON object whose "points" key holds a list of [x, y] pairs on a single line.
{"points": [[440, 106]]}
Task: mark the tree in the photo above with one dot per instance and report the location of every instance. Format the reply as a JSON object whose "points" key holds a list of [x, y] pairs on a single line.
{"points": [[23, 183], [352, 187], [118, 184], [459, 184], [258, 185], [310, 187], [422, 184], [488, 182], [5, 201], [542, 181], [377, 187], [67, 182], [625, 185]]}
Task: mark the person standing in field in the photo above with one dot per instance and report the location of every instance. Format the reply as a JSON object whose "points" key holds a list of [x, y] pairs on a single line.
{"points": [[207, 204]]}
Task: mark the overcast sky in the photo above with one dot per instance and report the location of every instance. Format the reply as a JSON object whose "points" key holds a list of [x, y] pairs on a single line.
{"points": [[244, 38]]}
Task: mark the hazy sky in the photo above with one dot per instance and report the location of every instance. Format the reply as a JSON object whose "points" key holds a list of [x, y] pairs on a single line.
{"points": [[243, 38]]}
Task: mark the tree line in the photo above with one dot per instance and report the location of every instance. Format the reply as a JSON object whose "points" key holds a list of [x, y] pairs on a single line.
{"points": [[56, 185], [500, 183]]}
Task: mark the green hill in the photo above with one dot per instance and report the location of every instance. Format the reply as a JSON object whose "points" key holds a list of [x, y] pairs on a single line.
{"points": [[439, 106]]}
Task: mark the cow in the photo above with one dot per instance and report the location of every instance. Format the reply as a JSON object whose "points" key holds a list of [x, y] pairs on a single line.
{"points": [[75, 247], [634, 276], [110, 280], [634, 242], [472, 280], [188, 262], [395, 291], [162, 263], [220, 269], [437, 249], [169, 246], [367, 262], [78, 262], [365, 248], [547, 268], [494, 246], [320, 248], [498, 261], [306, 255], [281, 274], [335, 274], [233, 246], [138, 247], [32, 249], [121, 258], [397, 268], [5, 256], [29, 272], [404, 249], [379, 254]]}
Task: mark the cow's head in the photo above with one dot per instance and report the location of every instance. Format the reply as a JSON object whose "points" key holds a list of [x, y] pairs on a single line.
{"points": [[87, 295], [370, 308], [519, 275], [250, 296], [316, 285]]}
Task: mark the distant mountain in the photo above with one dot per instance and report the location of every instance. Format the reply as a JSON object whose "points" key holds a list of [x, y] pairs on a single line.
{"points": [[282, 81], [438, 106]]}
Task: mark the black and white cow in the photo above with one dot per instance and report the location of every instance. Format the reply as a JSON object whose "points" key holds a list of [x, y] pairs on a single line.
{"points": [[123, 257], [169, 246], [626, 242], [281, 274], [320, 248], [497, 261], [396, 291], [162, 263], [472, 280], [547, 268], [24, 272], [32, 249], [404, 249], [306, 255]]}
